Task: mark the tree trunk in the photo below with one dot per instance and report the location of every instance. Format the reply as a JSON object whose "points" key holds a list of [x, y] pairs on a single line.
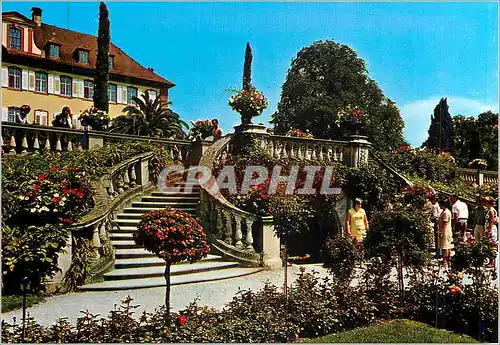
{"points": [[167, 293], [285, 286]]}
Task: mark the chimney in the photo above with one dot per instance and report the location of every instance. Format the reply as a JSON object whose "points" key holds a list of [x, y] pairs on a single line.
{"points": [[36, 15]]}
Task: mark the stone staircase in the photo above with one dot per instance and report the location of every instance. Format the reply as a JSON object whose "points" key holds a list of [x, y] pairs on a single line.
{"points": [[137, 268]]}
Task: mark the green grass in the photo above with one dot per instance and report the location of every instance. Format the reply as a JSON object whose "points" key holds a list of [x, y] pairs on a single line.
{"points": [[396, 331], [13, 302]]}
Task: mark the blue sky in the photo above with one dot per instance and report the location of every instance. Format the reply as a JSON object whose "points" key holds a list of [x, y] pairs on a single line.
{"points": [[417, 52]]}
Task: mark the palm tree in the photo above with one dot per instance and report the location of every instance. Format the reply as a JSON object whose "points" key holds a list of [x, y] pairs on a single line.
{"points": [[149, 118]]}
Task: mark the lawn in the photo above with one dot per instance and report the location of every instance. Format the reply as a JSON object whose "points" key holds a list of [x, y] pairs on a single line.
{"points": [[13, 302], [396, 331]]}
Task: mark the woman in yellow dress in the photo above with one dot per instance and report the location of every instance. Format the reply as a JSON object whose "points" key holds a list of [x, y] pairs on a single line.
{"points": [[357, 223], [445, 238]]}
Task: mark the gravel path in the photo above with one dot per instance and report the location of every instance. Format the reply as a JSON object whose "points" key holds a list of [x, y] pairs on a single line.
{"points": [[215, 294]]}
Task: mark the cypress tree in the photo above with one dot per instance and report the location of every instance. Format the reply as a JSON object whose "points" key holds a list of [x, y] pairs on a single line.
{"points": [[247, 68], [101, 77], [440, 128]]}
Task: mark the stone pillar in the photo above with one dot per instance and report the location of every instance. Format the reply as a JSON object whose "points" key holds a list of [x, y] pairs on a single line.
{"points": [[95, 140], [358, 150], [270, 245], [142, 172], [198, 149], [244, 135], [63, 262]]}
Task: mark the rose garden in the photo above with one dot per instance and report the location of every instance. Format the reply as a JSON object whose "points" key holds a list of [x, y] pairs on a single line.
{"points": [[68, 217]]}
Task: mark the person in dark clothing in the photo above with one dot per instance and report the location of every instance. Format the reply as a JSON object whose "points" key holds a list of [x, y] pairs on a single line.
{"points": [[63, 119]]}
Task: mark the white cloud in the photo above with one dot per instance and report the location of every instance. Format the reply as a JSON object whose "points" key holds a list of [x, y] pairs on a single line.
{"points": [[417, 115]]}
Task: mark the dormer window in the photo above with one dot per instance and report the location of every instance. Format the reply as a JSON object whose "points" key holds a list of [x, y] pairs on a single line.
{"points": [[54, 51], [83, 56], [111, 60], [15, 38]]}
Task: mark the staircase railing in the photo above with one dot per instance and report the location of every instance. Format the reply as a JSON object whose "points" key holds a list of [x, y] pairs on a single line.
{"points": [[471, 175], [231, 229], [121, 183], [19, 138]]}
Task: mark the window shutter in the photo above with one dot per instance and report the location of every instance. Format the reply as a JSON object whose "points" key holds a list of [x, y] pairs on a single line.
{"points": [[50, 83], [140, 92], [5, 76], [57, 85], [124, 95], [76, 84], [119, 94], [5, 114], [31, 81], [25, 79], [80, 88]]}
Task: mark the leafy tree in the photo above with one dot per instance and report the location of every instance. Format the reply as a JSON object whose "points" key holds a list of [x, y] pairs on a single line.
{"points": [[461, 127], [102, 63], [149, 118], [487, 126], [440, 128], [325, 78]]}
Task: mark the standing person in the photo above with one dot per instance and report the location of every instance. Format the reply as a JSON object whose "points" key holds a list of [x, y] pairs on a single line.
{"points": [[436, 212], [388, 205], [63, 119], [357, 224], [490, 225], [460, 215], [479, 214], [216, 131], [445, 233]]}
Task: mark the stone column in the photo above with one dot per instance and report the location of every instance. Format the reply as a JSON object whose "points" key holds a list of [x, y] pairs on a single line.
{"points": [[198, 149], [63, 262], [95, 140], [270, 245], [143, 172], [358, 147]]}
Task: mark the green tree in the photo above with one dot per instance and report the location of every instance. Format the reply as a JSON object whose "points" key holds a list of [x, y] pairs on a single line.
{"points": [[487, 126], [461, 127], [247, 68], [101, 77], [149, 118], [325, 78], [440, 128]]}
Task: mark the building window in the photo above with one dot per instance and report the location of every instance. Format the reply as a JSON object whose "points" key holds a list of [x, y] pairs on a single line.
{"points": [[66, 84], [112, 93], [41, 82], [151, 94], [83, 56], [131, 92], [111, 61], [14, 78], [41, 117], [54, 51], [15, 38], [13, 113], [88, 89]]}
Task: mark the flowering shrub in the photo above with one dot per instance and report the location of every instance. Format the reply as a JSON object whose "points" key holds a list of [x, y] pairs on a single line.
{"points": [[97, 119], [202, 128], [298, 133], [417, 194], [172, 235], [47, 199], [471, 253], [251, 102], [340, 255], [478, 163]]}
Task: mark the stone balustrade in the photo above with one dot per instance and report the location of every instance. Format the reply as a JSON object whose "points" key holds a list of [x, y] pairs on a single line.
{"points": [[235, 233], [305, 148], [479, 177], [22, 138]]}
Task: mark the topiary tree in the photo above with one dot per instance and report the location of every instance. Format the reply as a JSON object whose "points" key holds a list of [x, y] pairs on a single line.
{"points": [[102, 63], [398, 236], [173, 236], [440, 128], [340, 257]]}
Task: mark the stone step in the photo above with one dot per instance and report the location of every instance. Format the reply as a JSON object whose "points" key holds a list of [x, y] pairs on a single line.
{"points": [[146, 208], [124, 244], [133, 216], [112, 285], [159, 271], [168, 198], [153, 261], [130, 253], [194, 193], [126, 229], [120, 236], [164, 204]]}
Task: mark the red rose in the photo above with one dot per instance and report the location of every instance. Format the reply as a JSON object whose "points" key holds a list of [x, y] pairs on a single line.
{"points": [[79, 195], [41, 177], [182, 320]]}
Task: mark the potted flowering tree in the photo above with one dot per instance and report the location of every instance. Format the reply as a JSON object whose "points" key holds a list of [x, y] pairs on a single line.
{"points": [[97, 119], [249, 101], [478, 163], [173, 236], [298, 133], [353, 120], [202, 129]]}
